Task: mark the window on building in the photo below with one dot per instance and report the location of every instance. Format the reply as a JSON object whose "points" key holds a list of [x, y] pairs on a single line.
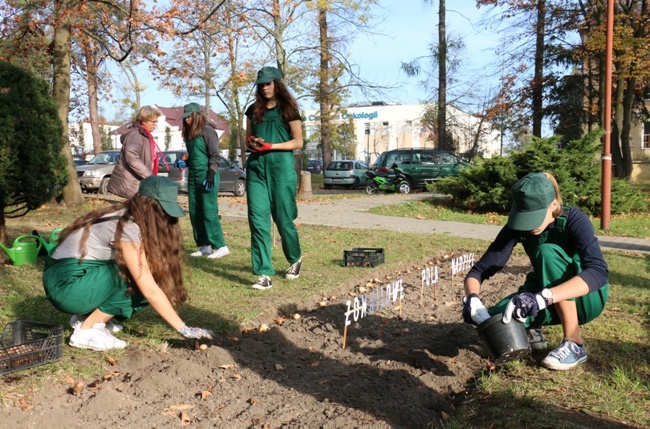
{"points": [[646, 135]]}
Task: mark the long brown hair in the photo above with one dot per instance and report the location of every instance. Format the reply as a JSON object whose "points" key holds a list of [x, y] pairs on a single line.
{"points": [[161, 242], [195, 128], [287, 104]]}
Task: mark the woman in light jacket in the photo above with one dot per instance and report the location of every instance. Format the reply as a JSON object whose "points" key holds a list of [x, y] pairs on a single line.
{"points": [[139, 155]]}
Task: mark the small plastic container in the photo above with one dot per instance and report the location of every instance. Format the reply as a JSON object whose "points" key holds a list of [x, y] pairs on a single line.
{"points": [[363, 257], [25, 344], [505, 341]]}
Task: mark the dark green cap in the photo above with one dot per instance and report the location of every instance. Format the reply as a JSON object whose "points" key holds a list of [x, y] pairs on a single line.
{"points": [[164, 191], [531, 197], [188, 109], [268, 74]]}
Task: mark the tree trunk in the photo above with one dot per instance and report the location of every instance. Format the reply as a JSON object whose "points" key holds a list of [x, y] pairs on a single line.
{"points": [[538, 79], [279, 41], [442, 75], [324, 93], [93, 99], [617, 128], [628, 105], [72, 195]]}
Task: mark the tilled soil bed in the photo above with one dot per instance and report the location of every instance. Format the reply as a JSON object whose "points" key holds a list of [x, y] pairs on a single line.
{"points": [[406, 365]]}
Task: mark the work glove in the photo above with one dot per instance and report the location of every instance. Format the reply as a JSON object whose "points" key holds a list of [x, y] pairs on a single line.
{"points": [[180, 163], [196, 333], [209, 181], [257, 144], [262, 147], [522, 306], [474, 311]]}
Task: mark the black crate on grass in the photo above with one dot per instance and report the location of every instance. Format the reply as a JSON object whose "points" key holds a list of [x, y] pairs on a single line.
{"points": [[25, 344], [363, 257]]}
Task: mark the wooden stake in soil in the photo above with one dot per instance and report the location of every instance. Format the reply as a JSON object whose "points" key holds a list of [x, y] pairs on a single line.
{"points": [[345, 335]]}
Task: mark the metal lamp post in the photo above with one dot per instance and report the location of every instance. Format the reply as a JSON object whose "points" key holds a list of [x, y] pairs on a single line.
{"points": [[368, 143]]}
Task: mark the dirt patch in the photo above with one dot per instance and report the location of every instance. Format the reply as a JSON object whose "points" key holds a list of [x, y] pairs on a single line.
{"points": [[400, 369]]}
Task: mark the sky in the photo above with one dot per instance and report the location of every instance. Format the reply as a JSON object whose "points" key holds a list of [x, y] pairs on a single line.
{"points": [[410, 27]]}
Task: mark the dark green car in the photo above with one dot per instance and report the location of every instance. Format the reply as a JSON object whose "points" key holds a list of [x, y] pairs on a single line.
{"points": [[420, 165]]}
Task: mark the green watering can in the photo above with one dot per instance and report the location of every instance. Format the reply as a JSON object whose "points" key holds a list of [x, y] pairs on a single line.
{"points": [[25, 249], [54, 240]]}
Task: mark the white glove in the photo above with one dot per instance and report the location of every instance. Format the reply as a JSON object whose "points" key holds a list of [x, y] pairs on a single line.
{"points": [[474, 311]]}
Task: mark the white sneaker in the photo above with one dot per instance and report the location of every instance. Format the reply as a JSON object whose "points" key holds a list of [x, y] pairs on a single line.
{"points": [[219, 253], [203, 251], [76, 320], [97, 338]]}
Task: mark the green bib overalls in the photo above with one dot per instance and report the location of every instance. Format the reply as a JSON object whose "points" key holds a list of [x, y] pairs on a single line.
{"points": [[271, 186], [554, 261], [204, 209]]}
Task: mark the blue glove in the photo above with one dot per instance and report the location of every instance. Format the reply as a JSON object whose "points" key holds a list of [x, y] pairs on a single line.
{"points": [[522, 306], [209, 181], [474, 311], [180, 163]]}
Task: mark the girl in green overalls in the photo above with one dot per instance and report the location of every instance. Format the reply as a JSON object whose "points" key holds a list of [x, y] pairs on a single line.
{"points": [[273, 131], [203, 183], [114, 261], [569, 282]]}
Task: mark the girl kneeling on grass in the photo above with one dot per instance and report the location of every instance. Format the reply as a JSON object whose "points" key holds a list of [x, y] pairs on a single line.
{"points": [[113, 262], [568, 284]]}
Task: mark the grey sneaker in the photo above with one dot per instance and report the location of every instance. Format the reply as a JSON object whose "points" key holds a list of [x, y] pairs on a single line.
{"points": [[76, 320], [536, 340], [567, 356], [263, 283], [293, 272], [203, 251], [97, 338]]}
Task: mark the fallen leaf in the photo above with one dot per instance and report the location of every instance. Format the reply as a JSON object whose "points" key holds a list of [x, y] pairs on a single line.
{"points": [[78, 388], [205, 394], [25, 405], [112, 375], [110, 360], [185, 420], [315, 364], [181, 407]]}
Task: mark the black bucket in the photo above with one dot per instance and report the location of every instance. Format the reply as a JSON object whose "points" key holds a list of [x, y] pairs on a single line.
{"points": [[504, 341]]}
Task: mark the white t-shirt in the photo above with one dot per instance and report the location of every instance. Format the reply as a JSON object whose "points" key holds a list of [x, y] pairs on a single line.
{"points": [[100, 243]]}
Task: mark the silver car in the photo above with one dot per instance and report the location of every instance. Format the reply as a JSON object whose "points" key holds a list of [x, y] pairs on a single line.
{"points": [[94, 175], [348, 173]]}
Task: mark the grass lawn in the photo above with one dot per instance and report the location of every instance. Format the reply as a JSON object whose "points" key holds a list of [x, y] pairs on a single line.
{"points": [[616, 384]]}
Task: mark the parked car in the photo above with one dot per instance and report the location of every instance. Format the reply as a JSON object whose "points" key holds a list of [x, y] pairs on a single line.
{"points": [[231, 178], [94, 175], [348, 173], [78, 160], [420, 165], [315, 166]]}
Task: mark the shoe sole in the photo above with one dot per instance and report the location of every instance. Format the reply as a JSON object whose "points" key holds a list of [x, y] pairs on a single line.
{"points": [[259, 287], [213, 256], [563, 366], [80, 345], [291, 276]]}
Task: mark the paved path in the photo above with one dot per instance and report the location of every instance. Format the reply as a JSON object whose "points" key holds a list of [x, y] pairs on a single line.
{"points": [[350, 213]]}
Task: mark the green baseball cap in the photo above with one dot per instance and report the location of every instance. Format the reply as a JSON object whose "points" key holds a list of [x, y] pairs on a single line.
{"points": [[164, 191], [531, 197], [268, 74], [188, 109]]}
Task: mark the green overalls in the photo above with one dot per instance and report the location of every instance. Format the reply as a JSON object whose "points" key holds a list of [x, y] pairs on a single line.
{"points": [[271, 186], [204, 210], [82, 287], [554, 261]]}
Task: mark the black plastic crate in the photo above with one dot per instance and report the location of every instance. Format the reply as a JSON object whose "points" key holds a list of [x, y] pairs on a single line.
{"points": [[363, 257], [25, 344]]}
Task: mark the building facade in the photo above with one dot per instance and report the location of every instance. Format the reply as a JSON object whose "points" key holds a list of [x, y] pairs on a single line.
{"points": [[378, 127]]}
